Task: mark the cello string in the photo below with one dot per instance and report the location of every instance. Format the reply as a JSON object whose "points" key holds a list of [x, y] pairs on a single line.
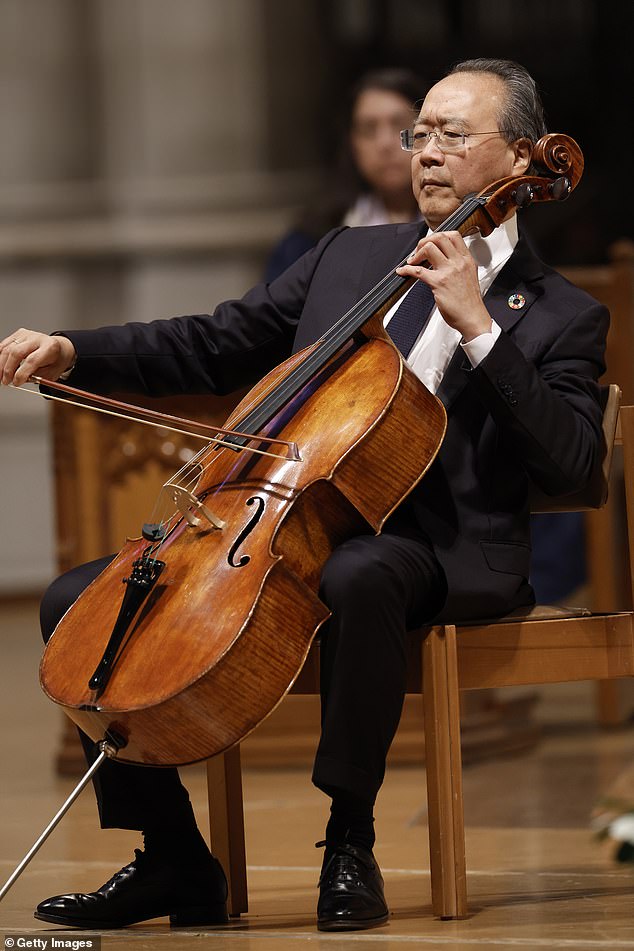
{"points": [[238, 461], [341, 325], [192, 467], [261, 401], [195, 468], [338, 333], [345, 327], [219, 447]]}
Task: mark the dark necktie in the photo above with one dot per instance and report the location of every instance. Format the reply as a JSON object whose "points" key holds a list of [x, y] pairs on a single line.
{"points": [[410, 318]]}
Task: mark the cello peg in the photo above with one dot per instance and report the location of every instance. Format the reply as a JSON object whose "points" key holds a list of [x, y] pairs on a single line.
{"points": [[523, 195], [560, 188]]}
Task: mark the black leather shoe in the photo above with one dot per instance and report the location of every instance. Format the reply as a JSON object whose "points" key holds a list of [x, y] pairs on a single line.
{"points": [[146, 888], [351, 891]]}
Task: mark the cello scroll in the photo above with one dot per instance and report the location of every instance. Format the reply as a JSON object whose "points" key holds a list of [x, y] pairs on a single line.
{"points": [[556, 168]]}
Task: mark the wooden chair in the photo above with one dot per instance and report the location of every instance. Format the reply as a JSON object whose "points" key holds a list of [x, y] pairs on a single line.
{"points": [[535, 646], [608, 577]]}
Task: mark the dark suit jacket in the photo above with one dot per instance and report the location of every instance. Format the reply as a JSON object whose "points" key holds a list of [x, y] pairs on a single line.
{"points": [[529, 411]]}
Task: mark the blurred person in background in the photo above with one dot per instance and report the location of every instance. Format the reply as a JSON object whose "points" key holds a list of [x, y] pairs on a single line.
{"points": [[371, 183]]}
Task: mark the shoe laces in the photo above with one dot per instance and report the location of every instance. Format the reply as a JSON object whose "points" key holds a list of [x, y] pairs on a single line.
{"points": [[139, 859], [343, 864]]}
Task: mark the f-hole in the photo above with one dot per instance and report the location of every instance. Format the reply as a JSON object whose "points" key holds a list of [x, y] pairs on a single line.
{"points": [[246, 531]]}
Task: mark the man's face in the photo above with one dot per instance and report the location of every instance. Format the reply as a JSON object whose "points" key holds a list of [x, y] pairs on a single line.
{"points": [[463, 102]]}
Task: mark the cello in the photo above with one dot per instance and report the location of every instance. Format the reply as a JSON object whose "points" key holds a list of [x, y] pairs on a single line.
{"points": [[196, 630], [220, 603]]}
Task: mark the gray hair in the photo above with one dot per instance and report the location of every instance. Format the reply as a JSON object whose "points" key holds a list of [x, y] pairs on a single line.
{"points": [[523, 112]]}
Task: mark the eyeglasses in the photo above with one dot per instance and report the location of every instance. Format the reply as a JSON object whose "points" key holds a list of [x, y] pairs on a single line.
{"points": [[412, 141]]}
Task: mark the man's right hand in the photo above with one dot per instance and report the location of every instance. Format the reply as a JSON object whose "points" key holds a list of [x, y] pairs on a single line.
{"points": [[26, 353]]}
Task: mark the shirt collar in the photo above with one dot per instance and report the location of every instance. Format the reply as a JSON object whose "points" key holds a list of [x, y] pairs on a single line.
{"points": [[492, 252]]}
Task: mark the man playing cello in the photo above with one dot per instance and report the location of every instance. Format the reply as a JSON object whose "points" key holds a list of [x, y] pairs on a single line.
{"points": [[514, 352]]}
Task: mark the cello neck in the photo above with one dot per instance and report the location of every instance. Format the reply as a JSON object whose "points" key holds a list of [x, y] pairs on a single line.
{"points": [[377, 300]]}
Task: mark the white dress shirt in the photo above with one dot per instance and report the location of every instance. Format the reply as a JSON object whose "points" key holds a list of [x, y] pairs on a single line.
{"points": [[430, 355]]}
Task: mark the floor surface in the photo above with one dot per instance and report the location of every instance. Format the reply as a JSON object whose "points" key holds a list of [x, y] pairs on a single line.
{"points": [[537, 877]]}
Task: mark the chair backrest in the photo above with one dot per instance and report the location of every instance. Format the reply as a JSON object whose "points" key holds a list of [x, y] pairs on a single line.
{"points": [[613, 284], [595, 494]]}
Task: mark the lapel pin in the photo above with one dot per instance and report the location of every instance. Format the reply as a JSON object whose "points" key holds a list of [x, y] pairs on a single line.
{"points": [[516, 301]]}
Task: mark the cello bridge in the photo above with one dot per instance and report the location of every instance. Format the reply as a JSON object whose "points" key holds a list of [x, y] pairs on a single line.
{"points": [[192, 509]]}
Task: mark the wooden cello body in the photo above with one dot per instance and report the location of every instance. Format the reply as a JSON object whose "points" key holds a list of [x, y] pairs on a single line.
{"points": [[224, 593], [230, 619]]}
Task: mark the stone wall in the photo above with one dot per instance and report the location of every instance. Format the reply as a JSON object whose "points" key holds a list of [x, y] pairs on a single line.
{"points": [[152, 153]]}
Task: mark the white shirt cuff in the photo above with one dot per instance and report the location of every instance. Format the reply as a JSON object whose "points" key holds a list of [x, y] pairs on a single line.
{"points": [[480, 347]]}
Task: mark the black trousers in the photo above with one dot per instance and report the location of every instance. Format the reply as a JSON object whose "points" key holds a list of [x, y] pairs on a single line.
{"points": [[376, 587]]}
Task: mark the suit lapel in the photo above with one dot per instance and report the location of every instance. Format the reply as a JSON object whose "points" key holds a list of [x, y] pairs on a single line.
{"points": [[517, 282], [519, 276], [384, 257]]}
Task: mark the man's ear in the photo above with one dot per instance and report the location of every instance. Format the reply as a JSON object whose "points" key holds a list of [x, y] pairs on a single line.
{"points": [[523, 149]]}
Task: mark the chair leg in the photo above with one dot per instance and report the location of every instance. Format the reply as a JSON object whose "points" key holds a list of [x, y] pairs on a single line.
{"points": [[226, 824], [444, 773]]}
